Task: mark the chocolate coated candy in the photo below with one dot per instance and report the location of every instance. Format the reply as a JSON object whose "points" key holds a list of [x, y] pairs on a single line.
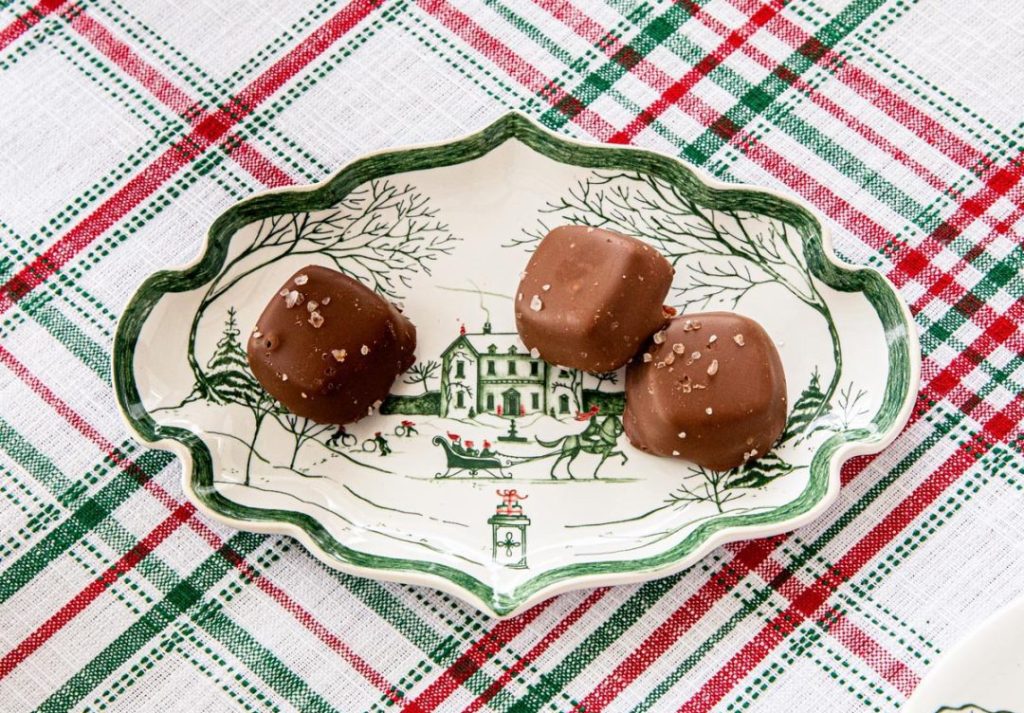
{"points": [[590, 297], [709, 388], [328, 348]]}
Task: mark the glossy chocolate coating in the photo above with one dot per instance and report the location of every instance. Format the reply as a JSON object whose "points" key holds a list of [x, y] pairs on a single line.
{"points": [[709, 388], [328, 348], [590, 297]]}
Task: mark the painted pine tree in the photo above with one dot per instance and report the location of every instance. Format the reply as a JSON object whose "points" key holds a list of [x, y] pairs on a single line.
{"points": [[725, 253], [230, 381], [804, 412], [381, 234]]}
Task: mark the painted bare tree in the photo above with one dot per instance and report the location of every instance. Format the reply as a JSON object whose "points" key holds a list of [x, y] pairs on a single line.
{"points": [[569, 382], [724, 253], [611, 377], [421, 373], [382, 234]]}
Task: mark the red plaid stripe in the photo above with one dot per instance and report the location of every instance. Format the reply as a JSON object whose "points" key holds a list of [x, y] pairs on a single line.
{"points": [[24, 22], [515, 66], [971, 210], [793, 176], [537, 649], [206, 133], [680, 88], [181, 513], [122, 55], [876, 93], [482, 650], [749, 557], [87, 596], [810, 604]]}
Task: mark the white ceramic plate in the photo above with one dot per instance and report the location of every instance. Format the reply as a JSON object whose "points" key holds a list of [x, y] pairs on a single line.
{"points": [[482, 474], [984, 673]]}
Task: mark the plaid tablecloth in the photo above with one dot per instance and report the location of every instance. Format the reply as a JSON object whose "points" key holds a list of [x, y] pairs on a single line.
{"points": [[127, 126]]}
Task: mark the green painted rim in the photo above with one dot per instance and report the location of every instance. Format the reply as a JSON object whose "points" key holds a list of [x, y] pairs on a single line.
{"points": [[903, 353]]}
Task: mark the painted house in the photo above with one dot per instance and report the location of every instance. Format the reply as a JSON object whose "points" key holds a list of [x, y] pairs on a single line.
{"points": [[492, 373]]}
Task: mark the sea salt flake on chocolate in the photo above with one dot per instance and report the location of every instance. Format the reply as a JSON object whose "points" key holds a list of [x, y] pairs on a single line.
{"points": [[712, 339], [648, 358], [315, 358], [709, 410], [659, 337], [738, 339], [325, 301], [301, 279], [364, 350], [695, 356], [535, 304], [678, 348], [592, 303], [294, 297], [713, 368]]}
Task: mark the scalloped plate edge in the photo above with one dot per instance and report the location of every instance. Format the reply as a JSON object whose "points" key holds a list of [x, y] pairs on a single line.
{"points": [[511, 125]]}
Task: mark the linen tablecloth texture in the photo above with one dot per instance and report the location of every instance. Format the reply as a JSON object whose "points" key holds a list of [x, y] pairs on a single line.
{"points": [[126, 127]]}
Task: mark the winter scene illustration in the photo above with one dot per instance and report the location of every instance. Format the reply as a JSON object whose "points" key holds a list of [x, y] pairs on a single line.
{"points": [[482, 448]]}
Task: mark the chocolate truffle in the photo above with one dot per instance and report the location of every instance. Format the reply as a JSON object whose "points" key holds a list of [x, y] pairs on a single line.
{"points": [[328, 348], [590, 297], [708, 388]]}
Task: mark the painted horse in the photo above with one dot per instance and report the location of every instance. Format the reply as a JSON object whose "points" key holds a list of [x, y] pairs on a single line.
{"points": [[599, 438]]}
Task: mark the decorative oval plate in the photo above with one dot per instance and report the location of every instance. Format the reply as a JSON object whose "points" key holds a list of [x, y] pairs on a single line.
{"points": [[488, 474], [984, 673]]}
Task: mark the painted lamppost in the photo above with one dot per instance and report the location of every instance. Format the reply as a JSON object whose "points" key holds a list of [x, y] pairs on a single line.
{"points": [[508, 531]]}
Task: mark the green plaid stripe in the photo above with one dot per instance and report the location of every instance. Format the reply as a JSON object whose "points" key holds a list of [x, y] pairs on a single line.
{"points": [[55, 330], [441, 661], [810, 636], [918, 211]]}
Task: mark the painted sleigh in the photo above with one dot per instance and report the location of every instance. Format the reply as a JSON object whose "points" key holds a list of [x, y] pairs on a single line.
{"points": [[466, 463]]}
